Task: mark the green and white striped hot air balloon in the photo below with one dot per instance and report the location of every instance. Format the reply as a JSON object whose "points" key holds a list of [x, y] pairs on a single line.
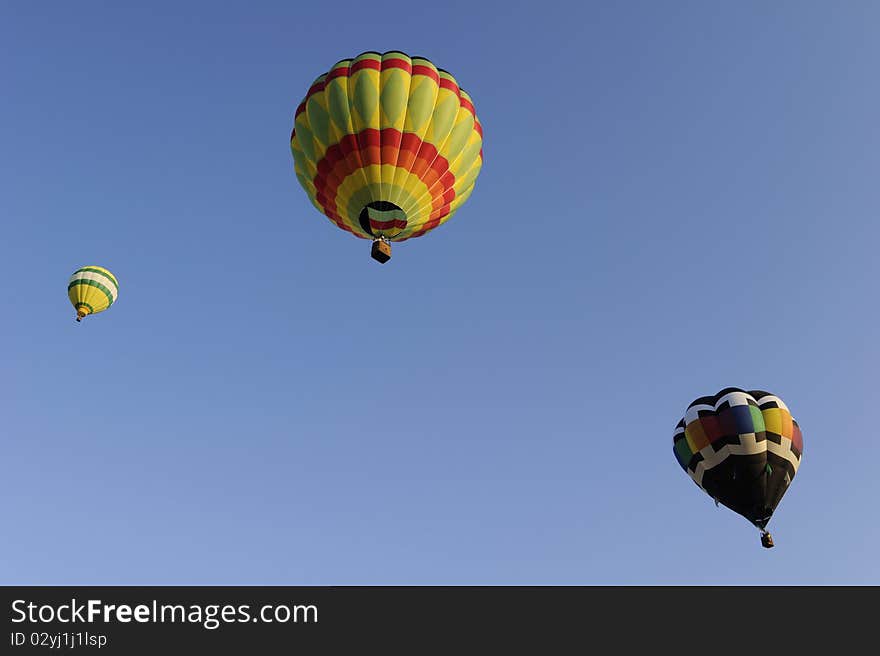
{"points": [[92, 289]]}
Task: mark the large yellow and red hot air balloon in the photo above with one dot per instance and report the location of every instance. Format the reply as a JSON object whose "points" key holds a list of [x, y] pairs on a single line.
{"points": [[387, 146]]}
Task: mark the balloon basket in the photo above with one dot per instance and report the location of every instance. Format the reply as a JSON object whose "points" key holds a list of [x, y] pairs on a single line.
{"points": [[766, 541], [381, 251]]}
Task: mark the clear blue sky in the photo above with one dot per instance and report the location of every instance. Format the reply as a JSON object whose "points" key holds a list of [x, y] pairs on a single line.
{"points": [[676, 197]]}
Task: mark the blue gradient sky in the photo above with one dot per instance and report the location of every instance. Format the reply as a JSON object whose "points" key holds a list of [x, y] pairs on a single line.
{"points": [[676, 197]]}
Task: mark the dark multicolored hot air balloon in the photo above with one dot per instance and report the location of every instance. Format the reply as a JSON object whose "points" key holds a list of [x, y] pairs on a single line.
{"points": [[92, 289], [743, 449], [387, 146]]}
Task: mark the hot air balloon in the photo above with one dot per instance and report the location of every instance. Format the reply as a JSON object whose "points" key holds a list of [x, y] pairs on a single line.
{"points": [[387, 146], [743, 449], [92, 289]]}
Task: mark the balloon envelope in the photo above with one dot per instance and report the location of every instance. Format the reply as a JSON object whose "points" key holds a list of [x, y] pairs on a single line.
{"points": [[387, 146], [92, 289], [742, 448]]}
